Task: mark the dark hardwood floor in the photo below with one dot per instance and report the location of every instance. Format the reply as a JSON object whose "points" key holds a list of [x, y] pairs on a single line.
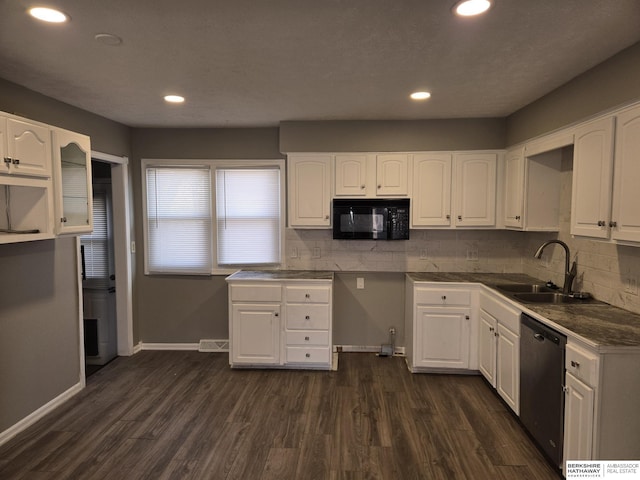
{"points": [[186, 415]]}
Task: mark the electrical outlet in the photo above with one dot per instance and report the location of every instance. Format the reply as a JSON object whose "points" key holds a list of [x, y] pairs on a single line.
{"points": [[392, 330], [360, 283], [472, 254], [316, 252], [631, 286], [294, 252], [423, 254]]}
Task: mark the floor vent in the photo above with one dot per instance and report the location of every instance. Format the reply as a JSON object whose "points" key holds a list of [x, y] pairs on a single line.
{"points": [[213, 346]]}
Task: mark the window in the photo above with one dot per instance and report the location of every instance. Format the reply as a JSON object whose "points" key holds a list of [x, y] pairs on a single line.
{"points": [[178, 220], [95, 245], [212, 215], [248, 216]]}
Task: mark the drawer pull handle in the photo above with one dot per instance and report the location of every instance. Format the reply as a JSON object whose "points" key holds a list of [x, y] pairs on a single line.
{"points": [[575, 364], [444, 297], [306, 339], [306, 295], [308, 355], [307, 317]]}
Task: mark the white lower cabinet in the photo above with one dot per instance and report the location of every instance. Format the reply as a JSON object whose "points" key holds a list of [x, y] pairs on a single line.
{"points": [[578, 419], [499, 347], [438, 327], [282, 324]]}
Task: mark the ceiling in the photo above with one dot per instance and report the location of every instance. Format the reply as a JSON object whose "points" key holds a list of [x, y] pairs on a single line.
{"points": [[252, 63]]}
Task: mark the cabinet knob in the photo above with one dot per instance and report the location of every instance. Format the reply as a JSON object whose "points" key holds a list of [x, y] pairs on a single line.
{"points": [[307, 317], [444, 297], [7, 160], [601, 223], [362, 187], [448, 217], [517, 217], [496, 334], [459, 217], [63, 219], [575, 364], [308, 355], [491, 329], [467, 317], [326, 217], [306, 295], [306, 339], [613, 224], [16, 161], [276, 314]]}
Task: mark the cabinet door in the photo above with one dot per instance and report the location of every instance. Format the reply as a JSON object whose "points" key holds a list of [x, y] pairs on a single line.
{"points": [[475, 189], [392, 174], [514, 189], [29, 148], [255, 334], [487, 347], [625, 218], [5, 161], [578, 420], [309, 191], [442, 337], [74, 200], [508, 367], [592, 174], [351, 175], [431, 202]]}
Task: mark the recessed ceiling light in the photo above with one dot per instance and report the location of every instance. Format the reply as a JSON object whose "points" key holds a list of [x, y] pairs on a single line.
{"points": [[48, 15], [468, 8], [420, 95], [173, 98]]}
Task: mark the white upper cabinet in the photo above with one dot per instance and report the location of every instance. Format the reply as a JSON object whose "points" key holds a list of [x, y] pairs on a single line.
{"points": [[351, 175], [592, 178], [625, 217], [514, 188], [309, 180], [392, 174], [370, 175], [431, 202], [26, 147], [74, 199], [475, 189]]}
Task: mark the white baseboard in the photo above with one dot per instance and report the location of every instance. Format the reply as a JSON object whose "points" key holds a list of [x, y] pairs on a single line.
{"points": [[29, 420], [169, 346]]}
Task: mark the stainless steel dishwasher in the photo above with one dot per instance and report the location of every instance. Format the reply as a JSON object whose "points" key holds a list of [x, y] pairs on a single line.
{"points": [[542, 352]]}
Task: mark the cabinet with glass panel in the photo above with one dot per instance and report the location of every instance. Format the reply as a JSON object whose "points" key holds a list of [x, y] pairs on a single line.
{"points": [[72, 168]]}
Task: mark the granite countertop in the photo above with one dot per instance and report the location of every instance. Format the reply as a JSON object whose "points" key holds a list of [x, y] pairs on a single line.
{"points": [[601, 325], [274, 275]]}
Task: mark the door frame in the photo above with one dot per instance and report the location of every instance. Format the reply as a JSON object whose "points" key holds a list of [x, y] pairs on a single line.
{"points": [[122, 226]]}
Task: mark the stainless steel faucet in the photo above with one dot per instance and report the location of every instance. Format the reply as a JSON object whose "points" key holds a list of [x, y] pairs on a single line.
{"points": [[569, 273]]}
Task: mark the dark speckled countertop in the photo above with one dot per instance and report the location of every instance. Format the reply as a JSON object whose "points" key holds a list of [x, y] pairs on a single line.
{"points": [[601, 325], [271, 275]]}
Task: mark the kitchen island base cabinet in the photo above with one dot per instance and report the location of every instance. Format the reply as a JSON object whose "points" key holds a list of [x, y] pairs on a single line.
{"points": [[280, 324]]}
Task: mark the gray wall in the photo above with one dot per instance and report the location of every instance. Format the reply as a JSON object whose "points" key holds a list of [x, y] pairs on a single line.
{"points": [[186, 309], [385, 136], [610, 84], [39, 344]]}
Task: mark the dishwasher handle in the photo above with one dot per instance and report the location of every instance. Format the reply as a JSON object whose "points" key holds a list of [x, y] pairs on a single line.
{"points": [[539, 337]]}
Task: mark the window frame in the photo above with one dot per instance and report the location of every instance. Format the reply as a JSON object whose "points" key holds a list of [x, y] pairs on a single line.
{"points": [[214, 165]]}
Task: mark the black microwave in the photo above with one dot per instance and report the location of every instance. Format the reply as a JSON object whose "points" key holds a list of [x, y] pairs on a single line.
{"points": [[371, 219]]}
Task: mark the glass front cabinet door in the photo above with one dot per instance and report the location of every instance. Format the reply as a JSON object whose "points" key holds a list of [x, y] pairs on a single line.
{"points": [[72, 163]]}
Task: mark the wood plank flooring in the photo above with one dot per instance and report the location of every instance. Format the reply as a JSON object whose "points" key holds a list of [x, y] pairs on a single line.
{"points": [[186, 415]]}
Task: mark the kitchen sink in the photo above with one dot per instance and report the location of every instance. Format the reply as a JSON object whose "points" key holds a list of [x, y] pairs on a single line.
{"points": [[523, 288], [553, 297]]}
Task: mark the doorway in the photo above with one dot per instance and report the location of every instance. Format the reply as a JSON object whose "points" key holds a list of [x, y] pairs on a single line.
{"points": [[106, 320]]}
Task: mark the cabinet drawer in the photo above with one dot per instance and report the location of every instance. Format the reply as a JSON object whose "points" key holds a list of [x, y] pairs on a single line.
{"points": [[256, 293], [308, 355], [442, 297], [316, 338], [505, 314], [302, 294], [582, 364], [308, 317]]}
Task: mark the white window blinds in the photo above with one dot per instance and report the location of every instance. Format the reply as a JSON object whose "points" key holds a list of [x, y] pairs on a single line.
{"points": [[248, 216], [96, 244], [179, 220]]}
